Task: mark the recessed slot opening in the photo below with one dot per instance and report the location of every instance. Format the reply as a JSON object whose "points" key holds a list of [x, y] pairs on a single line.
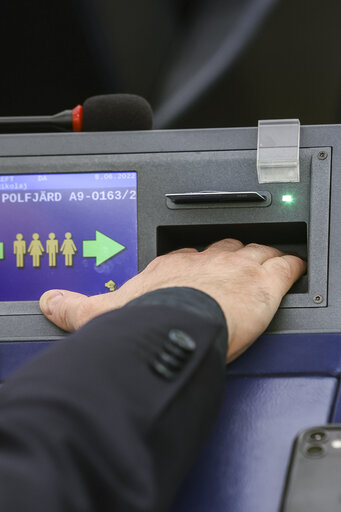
{"points": [[290, 237]]}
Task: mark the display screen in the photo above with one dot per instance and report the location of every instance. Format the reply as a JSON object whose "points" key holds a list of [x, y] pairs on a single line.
{"points": [[76, 231]]}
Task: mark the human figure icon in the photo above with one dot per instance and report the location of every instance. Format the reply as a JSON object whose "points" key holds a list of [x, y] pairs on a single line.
{"points": [[68, 249], [52, 249], [36, 250], [19, 249]]}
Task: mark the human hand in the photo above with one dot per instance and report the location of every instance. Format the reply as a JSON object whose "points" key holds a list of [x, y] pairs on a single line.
{"points": [[248, 282]]}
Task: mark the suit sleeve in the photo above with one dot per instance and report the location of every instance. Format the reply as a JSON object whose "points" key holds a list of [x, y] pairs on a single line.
{"points": [[112, 417]]}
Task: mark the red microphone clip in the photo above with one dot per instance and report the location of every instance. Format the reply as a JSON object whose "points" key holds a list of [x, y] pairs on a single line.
{"points": [[77, 118]]}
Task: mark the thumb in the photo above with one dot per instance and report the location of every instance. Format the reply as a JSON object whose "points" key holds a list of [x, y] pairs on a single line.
{"points": [[62, 307]]}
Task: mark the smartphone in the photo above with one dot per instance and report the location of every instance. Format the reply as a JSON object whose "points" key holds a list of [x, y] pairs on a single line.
{"points": [[313, 482]]}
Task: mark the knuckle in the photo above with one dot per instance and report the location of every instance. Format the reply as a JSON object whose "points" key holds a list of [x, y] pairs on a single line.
{"points": [[154, 263], [159, 259], [234, 242], [226, 242], [254, 245], [165, 262], [283, 268]]}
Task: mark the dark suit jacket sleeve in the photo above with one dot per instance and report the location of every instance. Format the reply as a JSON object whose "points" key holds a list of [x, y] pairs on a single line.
{"points": [[103, 421]]}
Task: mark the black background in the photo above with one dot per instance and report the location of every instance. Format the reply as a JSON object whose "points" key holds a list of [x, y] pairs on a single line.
{"points": [[56, 54]]}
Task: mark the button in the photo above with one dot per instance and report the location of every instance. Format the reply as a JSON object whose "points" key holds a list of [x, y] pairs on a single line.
{"points": [[162, 370], [179, 353], [182, 340], [170, 361]]}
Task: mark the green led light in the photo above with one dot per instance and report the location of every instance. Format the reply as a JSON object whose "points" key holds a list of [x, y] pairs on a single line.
{"points": [[287, 198]]}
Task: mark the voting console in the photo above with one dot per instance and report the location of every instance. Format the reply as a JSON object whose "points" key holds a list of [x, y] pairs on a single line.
{"points": [[88, 211]]}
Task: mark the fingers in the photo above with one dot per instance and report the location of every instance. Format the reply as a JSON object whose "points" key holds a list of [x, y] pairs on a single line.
{"points": [[259, 253], [284, 271], [228, 244], [62, 308], [256, 252], [70, 310]]}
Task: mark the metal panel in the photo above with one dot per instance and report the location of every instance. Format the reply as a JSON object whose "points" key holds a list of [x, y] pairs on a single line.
{"points": [[194, 160]]}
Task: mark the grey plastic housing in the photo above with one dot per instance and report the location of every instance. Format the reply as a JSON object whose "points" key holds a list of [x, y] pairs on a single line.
{"points": [[278, 151], [205, 160]]}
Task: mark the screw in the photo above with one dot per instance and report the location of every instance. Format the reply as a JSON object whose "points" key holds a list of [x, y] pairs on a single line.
{"points": [[322, 155], [318, 299]]}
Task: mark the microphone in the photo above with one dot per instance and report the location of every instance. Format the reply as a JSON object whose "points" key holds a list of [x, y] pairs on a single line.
{"points": [[109, 112]]}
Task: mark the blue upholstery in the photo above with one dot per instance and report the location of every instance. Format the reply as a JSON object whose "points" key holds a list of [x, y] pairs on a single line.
{"points": [[287, 354], [242, 467], [281, 385]]}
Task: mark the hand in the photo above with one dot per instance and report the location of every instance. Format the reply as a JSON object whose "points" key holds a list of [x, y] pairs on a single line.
{"points": [[248, 282]]}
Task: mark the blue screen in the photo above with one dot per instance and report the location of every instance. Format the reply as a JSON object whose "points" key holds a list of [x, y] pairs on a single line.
{"points": [[76, 231]]}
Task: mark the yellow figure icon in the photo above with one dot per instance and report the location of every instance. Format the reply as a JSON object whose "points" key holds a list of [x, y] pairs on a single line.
{"points": [[52, 248], [69, 249], [19, 249], [36, 250]]}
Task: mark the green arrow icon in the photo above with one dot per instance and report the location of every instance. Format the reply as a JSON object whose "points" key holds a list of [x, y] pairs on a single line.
{"points": [[2, 252], [103, 248]]}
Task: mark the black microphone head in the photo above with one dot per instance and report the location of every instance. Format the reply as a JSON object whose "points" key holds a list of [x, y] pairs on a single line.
{"points": [[117, 112]]}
